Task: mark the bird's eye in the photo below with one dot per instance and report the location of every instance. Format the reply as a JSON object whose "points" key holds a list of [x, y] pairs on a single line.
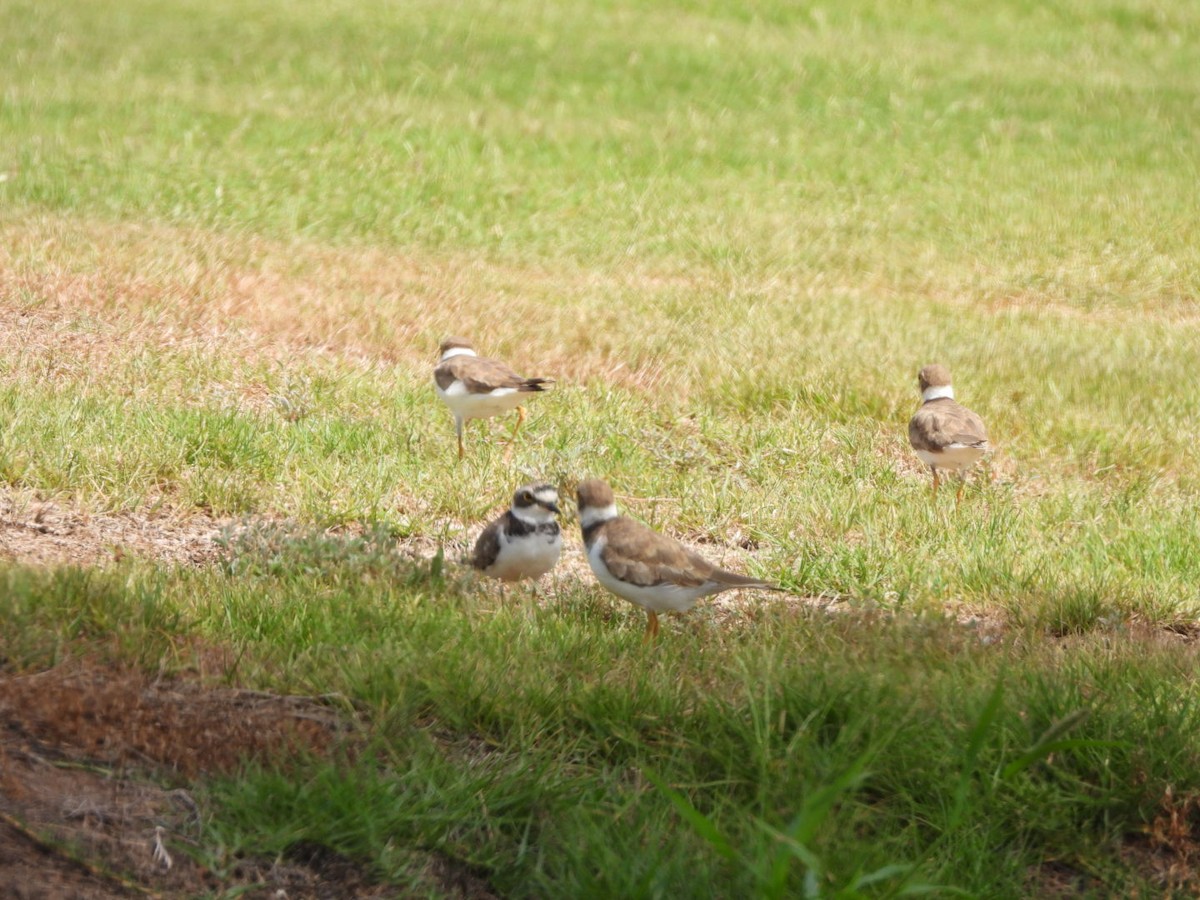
{"points": [[526, 497]]}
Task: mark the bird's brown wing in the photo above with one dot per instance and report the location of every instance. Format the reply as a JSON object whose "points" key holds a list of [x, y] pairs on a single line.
{"points": [[940, 423], [639, 555], [482, 376], [642, 556]]}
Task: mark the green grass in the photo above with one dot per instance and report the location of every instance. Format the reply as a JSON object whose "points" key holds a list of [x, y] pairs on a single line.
{"points": [[231, 237], [549, 750], [965, 135]]}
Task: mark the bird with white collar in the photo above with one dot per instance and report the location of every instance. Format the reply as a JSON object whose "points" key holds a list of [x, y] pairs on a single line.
{"points": [[648, 569], [474, 387]]}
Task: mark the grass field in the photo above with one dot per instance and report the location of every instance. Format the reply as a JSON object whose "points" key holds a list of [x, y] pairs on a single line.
{"points": [[232, 235]]}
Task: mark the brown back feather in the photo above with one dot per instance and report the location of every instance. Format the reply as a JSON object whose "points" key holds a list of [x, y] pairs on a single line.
{"points": [[640, 555], [940, 423], [482, 375]]}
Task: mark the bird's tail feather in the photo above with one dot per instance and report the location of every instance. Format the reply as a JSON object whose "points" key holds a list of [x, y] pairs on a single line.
{"points": [[733, 579]]}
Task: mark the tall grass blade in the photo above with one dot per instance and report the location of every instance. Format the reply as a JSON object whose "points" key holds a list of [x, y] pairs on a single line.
{"points": [[975, 743], [702, 825]]}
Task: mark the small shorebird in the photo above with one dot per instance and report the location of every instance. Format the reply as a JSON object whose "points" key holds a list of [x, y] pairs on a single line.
{"points": [[524, 542], [646, 568], [478, 388], [945, 434]]}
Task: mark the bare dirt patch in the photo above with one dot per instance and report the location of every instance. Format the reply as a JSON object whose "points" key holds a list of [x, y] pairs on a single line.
{"points": [[121, 717], [92, 801], [44, 532]]}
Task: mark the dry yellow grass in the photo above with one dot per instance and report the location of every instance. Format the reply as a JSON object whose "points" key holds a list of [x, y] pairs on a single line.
{"points": [[168, 284]]}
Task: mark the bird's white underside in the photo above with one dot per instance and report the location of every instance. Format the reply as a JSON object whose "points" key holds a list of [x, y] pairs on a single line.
{"points": [[955, 456], [528, 556], [660, 598], [466, 405]]}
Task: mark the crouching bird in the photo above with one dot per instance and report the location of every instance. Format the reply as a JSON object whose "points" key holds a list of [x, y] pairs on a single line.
{"points": [[524, 542], [646, 568]]}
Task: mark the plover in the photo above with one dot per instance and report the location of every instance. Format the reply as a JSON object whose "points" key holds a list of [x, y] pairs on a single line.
{"points": [[646, 568], [945, 434], [478, 388], [524, 542]]}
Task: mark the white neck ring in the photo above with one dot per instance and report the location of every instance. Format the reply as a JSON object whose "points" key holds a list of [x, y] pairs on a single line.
{"points": [[594, 515], [938, 392]]}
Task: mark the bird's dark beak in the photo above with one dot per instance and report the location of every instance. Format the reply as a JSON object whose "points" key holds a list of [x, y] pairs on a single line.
{"points": [[553, 507]]}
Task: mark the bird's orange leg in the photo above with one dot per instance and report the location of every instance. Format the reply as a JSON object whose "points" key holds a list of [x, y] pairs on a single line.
{"points": [[458, 429], [651, 627], [936, 480]]}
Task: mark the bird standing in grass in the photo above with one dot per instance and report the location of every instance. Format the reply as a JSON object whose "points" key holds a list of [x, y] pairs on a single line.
{"points": [[945, 434], [478, 388], [524, 542], [646, 568]]}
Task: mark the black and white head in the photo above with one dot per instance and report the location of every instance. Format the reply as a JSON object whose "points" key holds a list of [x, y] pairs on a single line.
{"points": [[536, 504]]}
